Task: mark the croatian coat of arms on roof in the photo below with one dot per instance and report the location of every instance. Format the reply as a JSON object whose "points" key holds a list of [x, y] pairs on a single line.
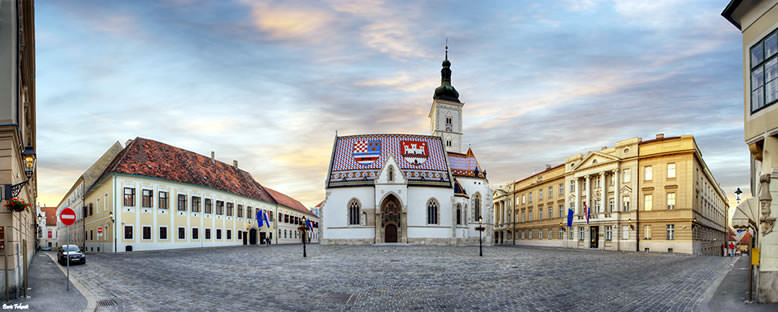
{"points": [[366, 152], [414, 152]]}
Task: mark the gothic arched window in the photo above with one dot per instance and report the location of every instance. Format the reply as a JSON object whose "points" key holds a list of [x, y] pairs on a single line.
{"points": [[353, 212], [432, 212], [459, 214], [476, 207], [391, 174]]}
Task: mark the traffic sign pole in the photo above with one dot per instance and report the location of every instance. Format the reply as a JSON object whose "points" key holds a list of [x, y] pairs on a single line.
{"points": [[67, 260], [68, 217]]}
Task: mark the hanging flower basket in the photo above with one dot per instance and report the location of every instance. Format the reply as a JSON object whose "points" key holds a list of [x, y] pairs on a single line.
{"points": [[17, 205]]}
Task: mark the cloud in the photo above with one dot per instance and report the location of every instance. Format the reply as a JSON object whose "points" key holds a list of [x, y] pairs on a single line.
{"points": [[284, 21]]}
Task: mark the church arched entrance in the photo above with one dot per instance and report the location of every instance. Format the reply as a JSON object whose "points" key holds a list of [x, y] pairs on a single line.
{"points": [[390, 219]]}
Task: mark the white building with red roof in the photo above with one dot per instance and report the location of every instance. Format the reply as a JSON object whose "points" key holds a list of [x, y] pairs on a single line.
{"points": [[408, 188]]}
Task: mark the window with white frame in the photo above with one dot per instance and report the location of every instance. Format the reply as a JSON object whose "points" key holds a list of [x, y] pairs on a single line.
{"points": [[540, 233], [764, 70], [163, 232], [625, 232], [670, 231], [353, 215], [550, 192], [580, 233], [670, 200], [522, 234], [523, 199], [529, 216], [648, 173], [648, 202], [550, 233], [570, 235], [561, 233], [572, 186], [608, 232], [540, 213], [540, 194], [610, 204], [670, 171], [647, 231], [625, 203], [530, 197], [530, 234], [561, 211], [432, 212], [561, 189], [146, 232], [627, 176]]}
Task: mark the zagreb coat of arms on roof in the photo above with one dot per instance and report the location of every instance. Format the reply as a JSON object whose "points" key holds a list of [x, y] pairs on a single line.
{"points": [[414, 152], [367, 151]]}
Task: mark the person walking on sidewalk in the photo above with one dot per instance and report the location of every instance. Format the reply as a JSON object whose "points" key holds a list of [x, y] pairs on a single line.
{"points": [[723, 249], [732, 249]]}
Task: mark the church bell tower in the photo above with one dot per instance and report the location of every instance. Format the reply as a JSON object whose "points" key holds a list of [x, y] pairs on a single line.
{"points": [[446, 112]]}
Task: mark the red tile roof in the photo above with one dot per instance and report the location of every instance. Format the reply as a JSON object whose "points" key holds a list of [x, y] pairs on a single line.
{"points": [[745, 240], [286, 200], [150, 158], [51, 215]]}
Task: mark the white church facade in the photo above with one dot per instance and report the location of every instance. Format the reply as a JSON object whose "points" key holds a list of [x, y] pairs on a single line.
{"points": [[408, 188]]}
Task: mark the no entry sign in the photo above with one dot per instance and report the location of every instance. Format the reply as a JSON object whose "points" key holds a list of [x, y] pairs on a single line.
{"points": [[100, 230], [67, 216]]}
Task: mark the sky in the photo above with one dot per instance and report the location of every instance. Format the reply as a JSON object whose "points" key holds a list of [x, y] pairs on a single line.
{"points": [[268, 83]]}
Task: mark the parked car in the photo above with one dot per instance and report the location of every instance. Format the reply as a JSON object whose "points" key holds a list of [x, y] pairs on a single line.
{"points": [[45, 248], [72, 252]]}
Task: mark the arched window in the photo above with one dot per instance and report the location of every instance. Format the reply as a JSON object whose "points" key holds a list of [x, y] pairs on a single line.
{"points": [[476, 207], [353, 212], [391, 174], [432, 212], [459, 214]]}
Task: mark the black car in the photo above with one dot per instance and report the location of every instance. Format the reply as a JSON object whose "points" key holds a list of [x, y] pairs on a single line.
{"points": [[72, 252]]}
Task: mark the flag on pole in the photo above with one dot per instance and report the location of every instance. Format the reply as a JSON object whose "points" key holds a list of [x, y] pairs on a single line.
{"points": [[586, 212], [308, 223], [570, 217], [259, 218], [264, 215]]}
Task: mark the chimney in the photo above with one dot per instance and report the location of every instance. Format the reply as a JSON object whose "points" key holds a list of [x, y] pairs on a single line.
{"points": [[213, 157], [235, 164], [660, 135]]}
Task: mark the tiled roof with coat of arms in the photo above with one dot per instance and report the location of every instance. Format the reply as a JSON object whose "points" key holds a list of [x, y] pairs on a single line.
{"points": [[358, 159], [465, 165]]}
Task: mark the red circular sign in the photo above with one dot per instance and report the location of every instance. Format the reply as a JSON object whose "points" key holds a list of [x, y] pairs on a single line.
{"points": [[67, 216], [99, 230]]}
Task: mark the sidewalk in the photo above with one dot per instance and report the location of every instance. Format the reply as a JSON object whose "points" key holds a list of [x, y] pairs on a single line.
{"points": [[733, 292], [47, 288]]}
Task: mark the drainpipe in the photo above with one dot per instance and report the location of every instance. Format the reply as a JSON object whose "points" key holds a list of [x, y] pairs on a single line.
{"points": [[513, 212], [637, 209]]}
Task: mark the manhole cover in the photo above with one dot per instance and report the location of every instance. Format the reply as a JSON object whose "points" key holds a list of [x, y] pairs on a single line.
{"points": [[106, 303]]}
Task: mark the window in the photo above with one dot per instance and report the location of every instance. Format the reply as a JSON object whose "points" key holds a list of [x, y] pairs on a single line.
{"points": [[522, 234], [391, 173], [147, 198], [529, 216], [129, 197], [572, 186], [764, 69], [561, 211], [625, 232], [207, 233], [91, 235], [181, 202], [670, 231], [146, 232], [219, 207], [530, 197], [550, 214], [477, 205], [229, 209], [162, 200], [670, 170], [580, 233], [90, 209], [540, 233], [530, 234], [181, 233], [540, 194], [459, 214], [647, 231], [128, 232], [523, 199], [608, 232], [195, 204], [625, 204], [208, 206], [561, 189], [286, 218], [596, 207], [670, 200], [561, 233], [627, 176], [570, 235], [550, 192], [610, 204], [353, 213], [540, 213], [229, 234], [240, 234], [195, 233], [550, 233], [162, 232], [647, 202], [240, 211], [523, 216], [648, 174], [248, 213], [218, 233]]}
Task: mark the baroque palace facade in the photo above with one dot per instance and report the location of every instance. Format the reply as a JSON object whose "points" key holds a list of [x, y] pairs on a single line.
{"points": [[654, 196], [156, 196], [407, 188]]}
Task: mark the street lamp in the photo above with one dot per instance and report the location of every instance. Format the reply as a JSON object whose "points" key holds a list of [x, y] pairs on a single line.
{"points": [[28, 156], [737, 193], [480, 230], [303, 228], [113, 223]]}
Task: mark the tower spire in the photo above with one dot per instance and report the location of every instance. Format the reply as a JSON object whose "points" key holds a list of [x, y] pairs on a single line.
{"points": [[446, 91]]}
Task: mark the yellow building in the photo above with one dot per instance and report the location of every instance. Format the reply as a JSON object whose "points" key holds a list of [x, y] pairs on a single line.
{"points": [[157, 196], [17, 135], [655, 196], [758, 23]]}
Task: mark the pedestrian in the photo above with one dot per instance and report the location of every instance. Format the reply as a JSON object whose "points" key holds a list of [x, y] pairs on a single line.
{"points": [[732, 249], [723, 253]]}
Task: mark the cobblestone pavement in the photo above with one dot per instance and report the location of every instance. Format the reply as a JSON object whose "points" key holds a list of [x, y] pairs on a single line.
{"points": [[400, 278]]}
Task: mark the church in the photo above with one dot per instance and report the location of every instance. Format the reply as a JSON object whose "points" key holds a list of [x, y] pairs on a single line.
{"points": [[408, 188]]}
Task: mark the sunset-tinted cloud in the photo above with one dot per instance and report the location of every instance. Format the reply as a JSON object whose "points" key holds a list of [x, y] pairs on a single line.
{"points": [[269, 82]]}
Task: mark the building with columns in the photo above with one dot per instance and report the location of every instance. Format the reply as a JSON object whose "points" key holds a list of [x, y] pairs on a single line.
{"points": [[656, 196]]}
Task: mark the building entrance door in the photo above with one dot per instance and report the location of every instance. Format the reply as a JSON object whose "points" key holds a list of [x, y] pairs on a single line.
{"points": [[594, 236], [253, 236], [261, 237], [390, 233], [245, 238]]}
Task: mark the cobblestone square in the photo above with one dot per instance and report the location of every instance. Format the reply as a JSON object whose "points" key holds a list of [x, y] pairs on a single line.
{"points": [[399, 278]]}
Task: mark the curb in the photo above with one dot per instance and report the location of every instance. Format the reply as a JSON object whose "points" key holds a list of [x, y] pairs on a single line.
{"points": [[91, 301], [708, 295]]}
